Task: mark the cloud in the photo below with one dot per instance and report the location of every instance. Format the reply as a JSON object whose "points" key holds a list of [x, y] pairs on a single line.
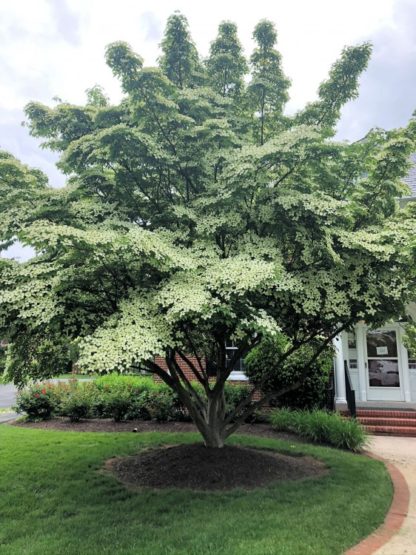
{"points": [[388, 88], [152, 26], [56, 47], [66, 21]]}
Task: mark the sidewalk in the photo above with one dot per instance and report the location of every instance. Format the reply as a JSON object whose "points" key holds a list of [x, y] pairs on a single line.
{"points": [[401, 452]]}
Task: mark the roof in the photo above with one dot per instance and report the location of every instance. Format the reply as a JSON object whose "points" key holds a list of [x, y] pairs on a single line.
{"points": [[410, 179]]}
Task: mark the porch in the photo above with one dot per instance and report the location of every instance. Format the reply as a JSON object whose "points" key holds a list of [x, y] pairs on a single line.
{"points": [[375, 380]]}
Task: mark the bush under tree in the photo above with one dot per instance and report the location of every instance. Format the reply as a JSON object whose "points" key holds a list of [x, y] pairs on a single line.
{"points": [[263, 368]]}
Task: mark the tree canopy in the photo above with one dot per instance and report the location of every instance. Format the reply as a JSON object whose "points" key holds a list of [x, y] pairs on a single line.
{"points": [[197, 213]]}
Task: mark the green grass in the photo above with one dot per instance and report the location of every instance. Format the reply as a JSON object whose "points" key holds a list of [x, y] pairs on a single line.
{"points": [[54, 500]]}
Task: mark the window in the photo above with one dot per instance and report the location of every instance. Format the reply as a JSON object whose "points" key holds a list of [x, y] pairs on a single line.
{"points": [[238, 372], [383, 362]]}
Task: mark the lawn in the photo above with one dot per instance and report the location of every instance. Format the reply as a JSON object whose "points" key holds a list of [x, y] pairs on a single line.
{"points": [[54, 500]]}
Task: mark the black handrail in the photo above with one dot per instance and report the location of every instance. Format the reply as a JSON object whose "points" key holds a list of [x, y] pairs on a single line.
{"points": [[350, 393]]}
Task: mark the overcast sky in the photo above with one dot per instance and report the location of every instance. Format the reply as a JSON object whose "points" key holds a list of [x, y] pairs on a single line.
{"points": [[55, 48]]}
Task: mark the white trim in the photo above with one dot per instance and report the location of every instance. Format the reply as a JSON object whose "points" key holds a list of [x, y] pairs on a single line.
{"points": [[237, 376]]}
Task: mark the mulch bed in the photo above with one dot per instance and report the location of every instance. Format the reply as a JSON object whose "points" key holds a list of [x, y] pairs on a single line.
{"points": [[197, 467]]}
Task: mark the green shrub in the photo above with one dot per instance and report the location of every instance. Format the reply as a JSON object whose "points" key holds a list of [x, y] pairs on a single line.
{"points": [[117, 404], [119, 381], [39, 402], [261, 367], [117, 397], [163, 405], [77, 404], [321, 427], [139, 407]]}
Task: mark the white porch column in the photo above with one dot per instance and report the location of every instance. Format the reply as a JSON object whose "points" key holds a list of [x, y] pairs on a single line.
{"points": [[340, 390], [360, 336]]}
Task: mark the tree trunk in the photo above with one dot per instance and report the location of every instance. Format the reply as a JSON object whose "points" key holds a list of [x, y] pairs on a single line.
{"points": [[211, 421], [214, 431]]}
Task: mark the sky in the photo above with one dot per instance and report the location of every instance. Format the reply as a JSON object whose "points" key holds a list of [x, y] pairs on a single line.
{"points": [[55, 48]]}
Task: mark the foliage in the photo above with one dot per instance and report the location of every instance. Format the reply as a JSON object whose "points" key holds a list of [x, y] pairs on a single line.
{"points": [[267, 90], [262, 368], [321, 427], [180, 60], [112, 396], [38, 402], [76, 405], [226, 64], [58, 489], [206, 219]]}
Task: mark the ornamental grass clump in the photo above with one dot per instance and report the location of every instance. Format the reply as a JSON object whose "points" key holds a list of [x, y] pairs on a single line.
{"points": [[321, 427]]}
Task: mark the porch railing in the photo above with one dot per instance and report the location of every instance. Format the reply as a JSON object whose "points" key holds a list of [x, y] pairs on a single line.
{"points": [[350, 393]]}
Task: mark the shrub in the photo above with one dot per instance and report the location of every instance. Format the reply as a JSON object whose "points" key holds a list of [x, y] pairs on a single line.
{"points": [[117, 404], [77, 404], [321, 427], [120, 398], [260, 367], [39, 402], [117, 381], [163, 405]]}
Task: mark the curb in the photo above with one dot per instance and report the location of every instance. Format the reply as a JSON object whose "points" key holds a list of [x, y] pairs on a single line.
{"points": [[394, 518]]}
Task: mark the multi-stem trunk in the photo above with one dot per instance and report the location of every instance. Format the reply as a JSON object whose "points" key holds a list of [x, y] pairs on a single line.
{"points": [[210, 420]]}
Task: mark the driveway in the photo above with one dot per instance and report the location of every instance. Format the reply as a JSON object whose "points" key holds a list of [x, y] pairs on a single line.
{"points": [[401, 451], [7, 399], [7, 395]]}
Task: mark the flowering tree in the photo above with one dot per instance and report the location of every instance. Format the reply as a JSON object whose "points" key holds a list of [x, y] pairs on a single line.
{"points": [[196, 214]]}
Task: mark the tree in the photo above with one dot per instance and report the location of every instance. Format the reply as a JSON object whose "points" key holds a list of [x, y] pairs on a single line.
{"points": [[179, 233]]}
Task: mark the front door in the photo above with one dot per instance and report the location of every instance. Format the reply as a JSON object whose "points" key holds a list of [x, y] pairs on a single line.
{"points": [[384, 372]]}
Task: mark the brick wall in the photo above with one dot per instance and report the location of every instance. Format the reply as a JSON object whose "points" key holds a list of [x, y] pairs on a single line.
{"points": [[160, 361]]}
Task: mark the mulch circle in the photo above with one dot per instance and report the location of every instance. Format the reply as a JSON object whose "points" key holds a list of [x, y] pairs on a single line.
{"points": [[197, 467]]}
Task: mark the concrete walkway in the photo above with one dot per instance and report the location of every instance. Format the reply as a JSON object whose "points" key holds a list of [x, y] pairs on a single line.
{"points": [[401, 452]]}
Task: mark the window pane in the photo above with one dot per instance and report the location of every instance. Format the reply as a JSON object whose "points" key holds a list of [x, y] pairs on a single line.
{"points": [[381, 344], [383, 373]]}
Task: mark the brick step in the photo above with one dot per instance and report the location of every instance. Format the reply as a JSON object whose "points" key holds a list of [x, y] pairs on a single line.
{"points": [[391, 430], [378, 421], [407, 414]]}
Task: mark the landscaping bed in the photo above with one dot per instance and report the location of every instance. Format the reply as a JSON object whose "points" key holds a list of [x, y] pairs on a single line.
{"points": [[199, 468]]}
